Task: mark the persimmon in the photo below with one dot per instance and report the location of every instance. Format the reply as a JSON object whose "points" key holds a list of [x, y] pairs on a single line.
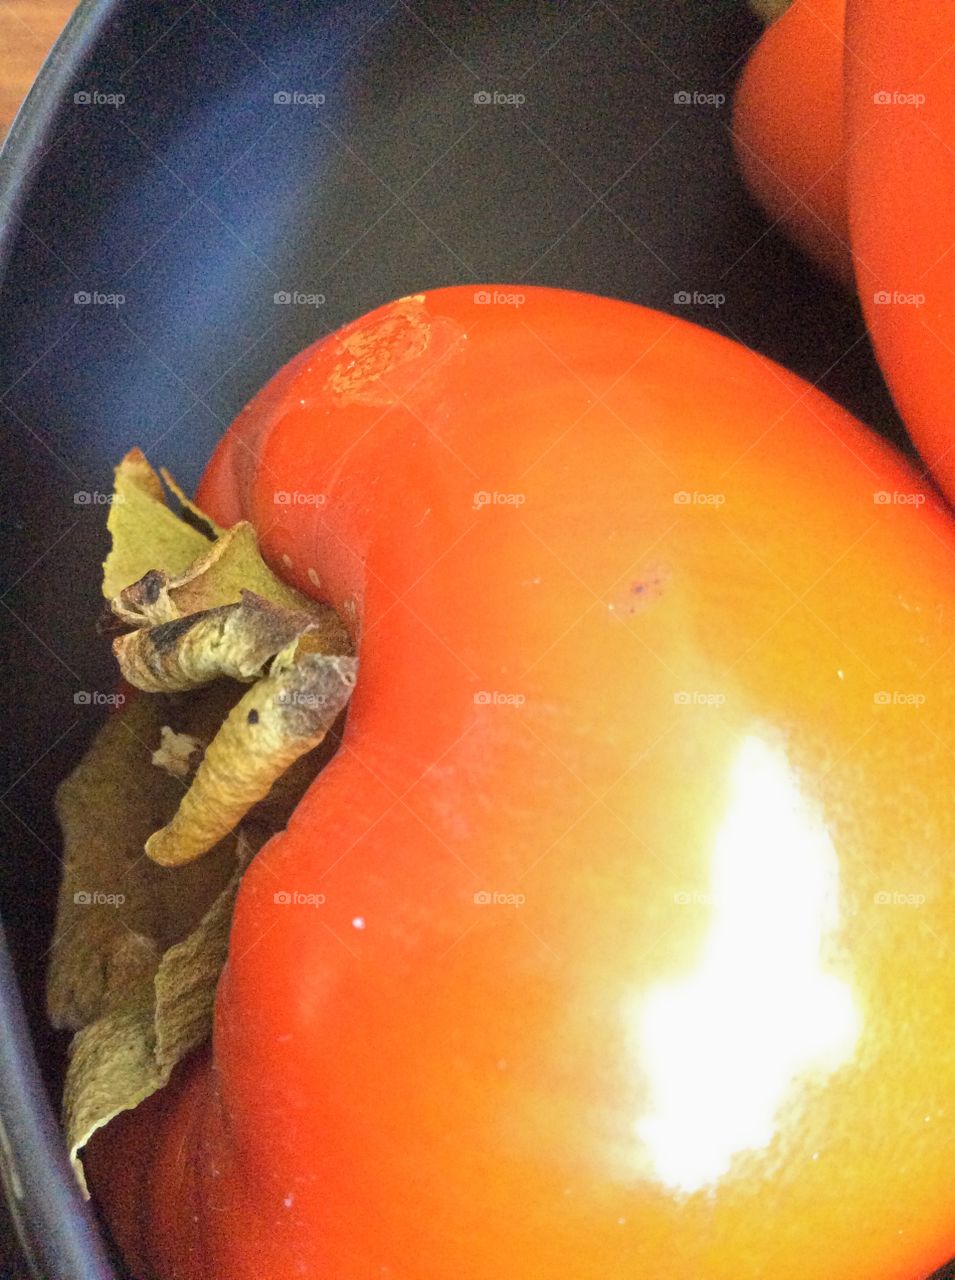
{"points": [[901, 113], [788, 130], [634, 955]]}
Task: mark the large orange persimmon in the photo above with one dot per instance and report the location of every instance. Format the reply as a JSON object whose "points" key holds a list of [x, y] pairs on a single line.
{"points": [[636, 952]]}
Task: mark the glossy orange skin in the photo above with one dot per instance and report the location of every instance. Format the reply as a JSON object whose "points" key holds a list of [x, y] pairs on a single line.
{"points": [[459, 1089], [788, 130], [902, 176]]}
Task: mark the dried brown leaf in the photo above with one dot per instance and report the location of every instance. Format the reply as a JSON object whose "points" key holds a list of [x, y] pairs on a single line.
{"points": [[118, 911], [281, 717], [222, 572], [234, 640], [144, 531], [129, 1051]]}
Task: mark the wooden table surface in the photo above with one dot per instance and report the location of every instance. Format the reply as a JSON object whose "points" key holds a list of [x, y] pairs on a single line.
{"points": [[27, 30]]}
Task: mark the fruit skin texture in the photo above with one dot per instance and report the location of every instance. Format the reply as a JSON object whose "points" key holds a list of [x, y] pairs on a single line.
{"points": [[713, 1042], [788, 130], [902, 200]]}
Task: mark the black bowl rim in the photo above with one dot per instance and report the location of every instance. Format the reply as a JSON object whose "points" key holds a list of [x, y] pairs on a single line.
{"points": [[57, 1230]]}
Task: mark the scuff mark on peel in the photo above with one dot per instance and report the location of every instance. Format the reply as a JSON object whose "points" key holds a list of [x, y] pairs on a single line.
{"points": [[382, 363]]}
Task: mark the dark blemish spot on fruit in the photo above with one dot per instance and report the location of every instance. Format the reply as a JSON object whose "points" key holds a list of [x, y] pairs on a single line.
{"points": [[253, 717], [642, 592]]}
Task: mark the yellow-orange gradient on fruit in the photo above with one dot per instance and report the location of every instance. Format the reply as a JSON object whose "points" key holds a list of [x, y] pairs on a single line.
{"points": [[788, 130], [617, 941]]}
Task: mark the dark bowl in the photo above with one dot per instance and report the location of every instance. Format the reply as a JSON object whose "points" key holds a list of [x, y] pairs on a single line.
{"points": [[182, 166]]}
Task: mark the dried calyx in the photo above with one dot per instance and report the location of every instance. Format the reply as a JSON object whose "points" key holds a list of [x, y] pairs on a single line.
{"points": [[242, 684]]}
